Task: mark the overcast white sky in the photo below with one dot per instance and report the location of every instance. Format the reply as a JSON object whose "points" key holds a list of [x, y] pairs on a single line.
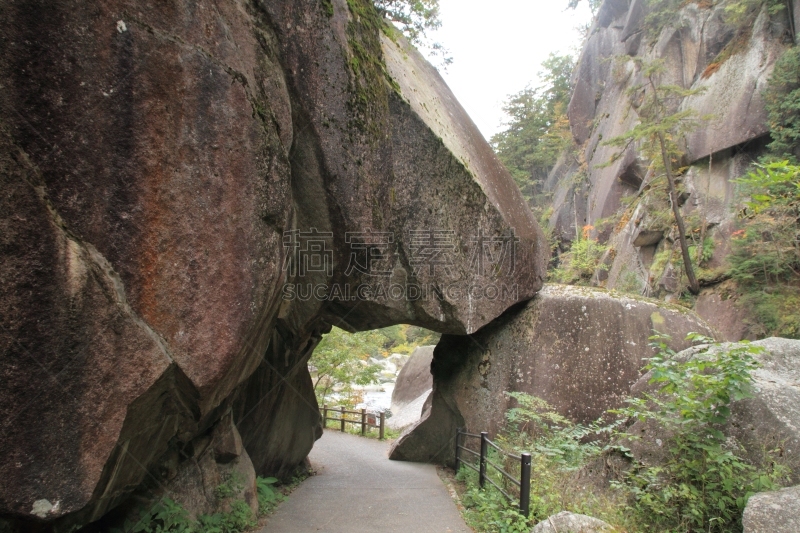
{"points": [[498, 47]]}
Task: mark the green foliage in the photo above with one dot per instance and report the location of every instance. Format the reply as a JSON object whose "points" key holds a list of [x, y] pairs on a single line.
{"points": [[594, 5], [578, 265], [702, 485], [268, 495], [488, 511], [782, 99], [238, 520], [765, 257], [743, 12], [533, 426], [537, 131], [415, 18], [167, 516], [339, 362]]}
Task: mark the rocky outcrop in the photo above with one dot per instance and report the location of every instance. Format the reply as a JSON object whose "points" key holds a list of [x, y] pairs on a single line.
{"points": [[414, 379], [193, 194], [566, 522], [702, 49], [773, 512], [579, 349], [412, 388], [766, 422]]}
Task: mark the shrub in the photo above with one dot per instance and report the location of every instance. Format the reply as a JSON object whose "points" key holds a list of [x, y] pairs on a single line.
{"points": [[782, 99], [765, 258], [581, 261], [703, 485], [268, 496]]}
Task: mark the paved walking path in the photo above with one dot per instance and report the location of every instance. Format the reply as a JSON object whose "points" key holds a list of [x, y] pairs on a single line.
{"points": [[358, 489]]}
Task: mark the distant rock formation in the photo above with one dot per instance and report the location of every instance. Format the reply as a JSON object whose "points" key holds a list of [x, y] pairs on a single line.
{"points": [[193, 193], [412, 388], [579, 349], [700, 50]]}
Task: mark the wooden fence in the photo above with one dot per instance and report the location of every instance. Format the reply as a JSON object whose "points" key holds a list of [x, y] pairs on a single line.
{"points": [[524, 482], [365, 419]]}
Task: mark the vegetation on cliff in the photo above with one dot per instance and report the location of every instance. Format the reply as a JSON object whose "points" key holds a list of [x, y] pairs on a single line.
{"points": [[702, 484], [683, 242]]}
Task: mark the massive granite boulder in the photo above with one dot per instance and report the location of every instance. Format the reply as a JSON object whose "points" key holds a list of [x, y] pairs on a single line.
{"points": [[193, 193], [579, 349]]}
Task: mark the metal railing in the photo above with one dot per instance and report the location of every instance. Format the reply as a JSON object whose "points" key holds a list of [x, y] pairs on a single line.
{"points": [[524, 483], [367, 419]]}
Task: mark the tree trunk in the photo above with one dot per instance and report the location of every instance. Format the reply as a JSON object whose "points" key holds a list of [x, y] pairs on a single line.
{"points": [[694, 286]]}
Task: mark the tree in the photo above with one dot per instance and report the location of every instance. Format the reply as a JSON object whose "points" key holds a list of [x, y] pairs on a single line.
{"points": [[537, 131], [415, 18], [594, 5], [658, 128], [340, 361]]}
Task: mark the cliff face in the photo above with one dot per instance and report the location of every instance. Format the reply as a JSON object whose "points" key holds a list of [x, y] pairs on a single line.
{"points": [[176, 178], [701, 49]]}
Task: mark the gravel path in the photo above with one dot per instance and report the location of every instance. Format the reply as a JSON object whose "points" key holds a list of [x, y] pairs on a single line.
{"points": [[358, 489]]}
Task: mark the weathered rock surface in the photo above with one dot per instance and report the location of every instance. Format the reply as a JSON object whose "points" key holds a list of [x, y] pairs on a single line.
{"points": [[768, 421], [410, 413], [414, 379], [566, 522], [412, 389], [579, 349], [773, 512], [164, 167]]}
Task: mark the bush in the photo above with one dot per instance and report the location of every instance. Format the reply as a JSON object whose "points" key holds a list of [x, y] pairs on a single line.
{"points": [[703, 485], [765, 258], [782, 99], [579, 264]]}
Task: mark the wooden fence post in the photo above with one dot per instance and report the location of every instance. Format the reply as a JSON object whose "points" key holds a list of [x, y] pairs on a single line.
{"points": [[363, 422], [341, 416], [382, 425], [325, 416]]}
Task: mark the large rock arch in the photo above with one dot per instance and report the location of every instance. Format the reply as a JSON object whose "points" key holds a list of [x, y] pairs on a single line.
{"points": [[161, 166]]}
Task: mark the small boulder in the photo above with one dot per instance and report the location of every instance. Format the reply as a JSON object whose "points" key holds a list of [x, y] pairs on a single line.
{"points": [[773, 512], [566, 522]]}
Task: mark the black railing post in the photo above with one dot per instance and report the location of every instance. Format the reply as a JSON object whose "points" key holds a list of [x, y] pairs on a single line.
{"points": [[484, 450], [525, 485], [325, 416], [342, 417], [458, 449], [363, 422], [381, 429]]}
